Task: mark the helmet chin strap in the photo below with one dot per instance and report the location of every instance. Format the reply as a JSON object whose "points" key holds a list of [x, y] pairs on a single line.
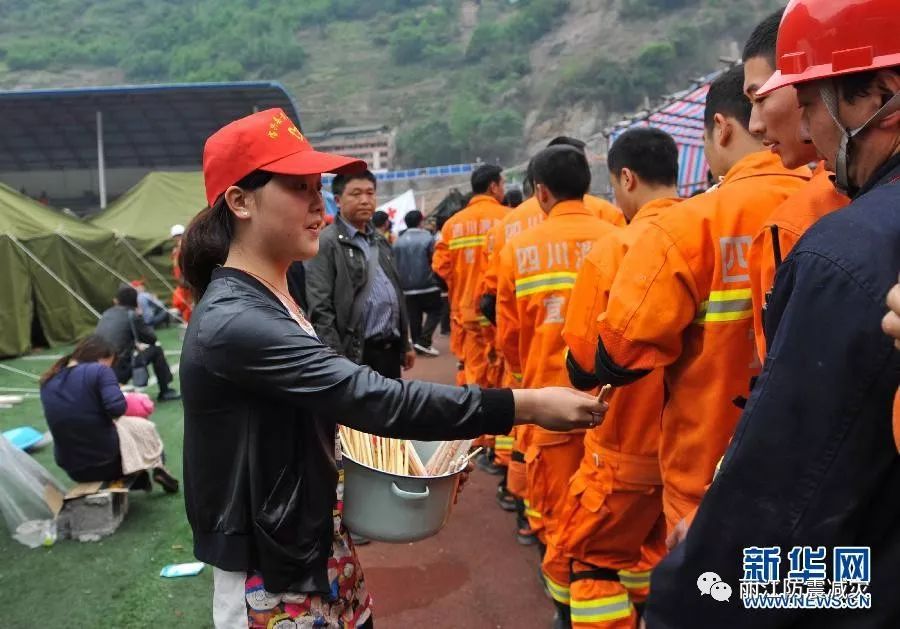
{"points": [[842, 162]]}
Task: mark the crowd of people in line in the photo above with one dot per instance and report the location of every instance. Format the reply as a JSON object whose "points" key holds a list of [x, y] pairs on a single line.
{"points": [[755, 400], [756, 393]]}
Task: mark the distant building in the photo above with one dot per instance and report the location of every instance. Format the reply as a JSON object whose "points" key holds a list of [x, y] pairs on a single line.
{"points": [[373, 143]]}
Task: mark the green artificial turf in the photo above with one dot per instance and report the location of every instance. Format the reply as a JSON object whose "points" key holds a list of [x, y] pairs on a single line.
{"points": [[114, 582]]}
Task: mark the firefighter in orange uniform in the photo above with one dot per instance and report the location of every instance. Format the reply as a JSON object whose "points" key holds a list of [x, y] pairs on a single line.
{"points": [[681, 299], [458, 261], [611, 526], [776, 118], [537, 272]]}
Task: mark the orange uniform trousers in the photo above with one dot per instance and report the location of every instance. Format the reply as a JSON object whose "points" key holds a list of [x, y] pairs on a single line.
{"points": [[610, 536], [550, 460]]}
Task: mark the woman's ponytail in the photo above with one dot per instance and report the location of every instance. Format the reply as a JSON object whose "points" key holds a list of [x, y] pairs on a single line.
{"points": [[208, 238], [205, 245], [58, 366]]}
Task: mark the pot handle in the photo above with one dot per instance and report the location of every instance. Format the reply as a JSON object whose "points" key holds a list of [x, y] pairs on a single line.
{"points": [[409, 495]]}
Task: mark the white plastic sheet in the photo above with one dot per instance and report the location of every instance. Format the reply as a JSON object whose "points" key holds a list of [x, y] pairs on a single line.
{"points": [[26, 491]]}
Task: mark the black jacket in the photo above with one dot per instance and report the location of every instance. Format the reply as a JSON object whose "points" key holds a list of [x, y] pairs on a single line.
{"points": [[261, 403], [413, 252], [334, 278], [116, 329], [813, 461]]}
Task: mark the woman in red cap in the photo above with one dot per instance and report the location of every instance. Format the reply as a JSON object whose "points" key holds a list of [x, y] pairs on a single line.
{"points": [[262, 395]]}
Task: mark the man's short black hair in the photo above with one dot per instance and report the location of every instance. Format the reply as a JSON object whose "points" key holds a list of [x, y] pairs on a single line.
{"points": [[380, 218], [484, 176], [726, 97], [652, 155], [340, 181], [564, 170], [565, 140], [763, 39], [126, 296], [413, 219]]}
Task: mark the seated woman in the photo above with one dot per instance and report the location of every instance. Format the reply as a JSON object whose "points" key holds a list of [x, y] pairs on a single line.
{"points": [[84, 405]]}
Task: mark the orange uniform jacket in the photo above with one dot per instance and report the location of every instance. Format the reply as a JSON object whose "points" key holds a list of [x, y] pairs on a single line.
{"points": [[789, 221], [525, 216], [537, 272], [621, 456], [458, 258], [681, 300]]}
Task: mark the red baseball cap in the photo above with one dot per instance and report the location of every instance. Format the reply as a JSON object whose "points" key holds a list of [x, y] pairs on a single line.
{"points": [[137, 283], [267, 140]]}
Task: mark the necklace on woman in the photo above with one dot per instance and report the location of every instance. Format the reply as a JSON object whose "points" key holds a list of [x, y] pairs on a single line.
{"points": [[282, 297], [288, 302]]}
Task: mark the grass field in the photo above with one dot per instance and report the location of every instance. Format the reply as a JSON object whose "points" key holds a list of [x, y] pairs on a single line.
{"points": [[114, 582]]}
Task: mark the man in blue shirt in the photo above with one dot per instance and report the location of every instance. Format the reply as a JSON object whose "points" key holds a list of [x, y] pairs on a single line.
{"points": [[353, 291]]}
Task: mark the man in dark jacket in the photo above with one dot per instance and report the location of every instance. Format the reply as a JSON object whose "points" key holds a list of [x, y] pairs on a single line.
{"points": [[123, 327], [413, 251], [353, 292], [804, 511]]}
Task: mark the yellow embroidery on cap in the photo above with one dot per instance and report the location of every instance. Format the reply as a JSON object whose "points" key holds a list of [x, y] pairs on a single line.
{"points": [[277, 120], [294, 131]]}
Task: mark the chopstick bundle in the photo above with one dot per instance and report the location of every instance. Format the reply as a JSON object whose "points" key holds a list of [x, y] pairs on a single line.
{"points": [[398, 456]]}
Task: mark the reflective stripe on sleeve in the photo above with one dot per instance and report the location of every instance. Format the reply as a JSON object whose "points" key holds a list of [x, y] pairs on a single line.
{"points": [[464, 242], [726, 305]]}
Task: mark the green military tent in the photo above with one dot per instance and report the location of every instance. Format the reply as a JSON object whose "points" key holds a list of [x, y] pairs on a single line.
{"points": [[56, 274], [145, 215]]}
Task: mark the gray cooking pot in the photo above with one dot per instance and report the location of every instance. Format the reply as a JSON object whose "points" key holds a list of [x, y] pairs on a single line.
{"points": [[390, 508]]}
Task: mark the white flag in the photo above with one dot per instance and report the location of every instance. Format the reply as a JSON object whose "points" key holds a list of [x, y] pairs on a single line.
{"points": [[397, 209]]}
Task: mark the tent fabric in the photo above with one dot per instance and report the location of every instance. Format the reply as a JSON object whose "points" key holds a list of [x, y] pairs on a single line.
{"points": [[29, 291], [146, 213], [681, 116]]}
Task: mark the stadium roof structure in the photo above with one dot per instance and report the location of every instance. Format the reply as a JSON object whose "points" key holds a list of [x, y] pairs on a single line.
{"points": [[132, 126]]}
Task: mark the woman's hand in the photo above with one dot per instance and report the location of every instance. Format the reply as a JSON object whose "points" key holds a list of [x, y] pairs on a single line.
{"points": [[560, 409]]}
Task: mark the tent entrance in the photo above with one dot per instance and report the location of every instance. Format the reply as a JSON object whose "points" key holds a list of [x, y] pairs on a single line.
{"points": [[38, 338]]}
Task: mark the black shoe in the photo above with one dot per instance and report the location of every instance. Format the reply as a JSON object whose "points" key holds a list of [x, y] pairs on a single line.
{"points": [[142, 482], [359, 540], [505, 499], [169, 395], [525, 537], [486, 464], [168, 482]]}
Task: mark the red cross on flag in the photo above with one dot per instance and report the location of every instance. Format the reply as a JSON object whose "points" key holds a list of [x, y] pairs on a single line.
{"points": [[398, 207]]}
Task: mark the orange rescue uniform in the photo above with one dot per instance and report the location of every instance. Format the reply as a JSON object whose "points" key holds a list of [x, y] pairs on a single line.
{"points": [[459, 262], [613, 509], [537, 272], [681, 300], [788, 222]]}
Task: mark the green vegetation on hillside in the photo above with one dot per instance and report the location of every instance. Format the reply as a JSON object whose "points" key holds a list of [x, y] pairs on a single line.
{"points": [[456, 77], [659, 66]]}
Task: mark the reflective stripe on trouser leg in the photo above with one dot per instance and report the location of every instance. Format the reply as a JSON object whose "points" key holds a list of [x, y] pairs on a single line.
{"points": [[637, 584], [598, 598], [604, 611], [530, 512], [558, 591]]}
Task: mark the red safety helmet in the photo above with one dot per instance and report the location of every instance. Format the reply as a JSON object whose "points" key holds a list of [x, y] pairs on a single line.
{"points": [[820, 39]]}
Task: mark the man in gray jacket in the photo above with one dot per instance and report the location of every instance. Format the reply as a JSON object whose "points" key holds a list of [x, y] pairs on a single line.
{"points": [[413, 252], [352, 287]]}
